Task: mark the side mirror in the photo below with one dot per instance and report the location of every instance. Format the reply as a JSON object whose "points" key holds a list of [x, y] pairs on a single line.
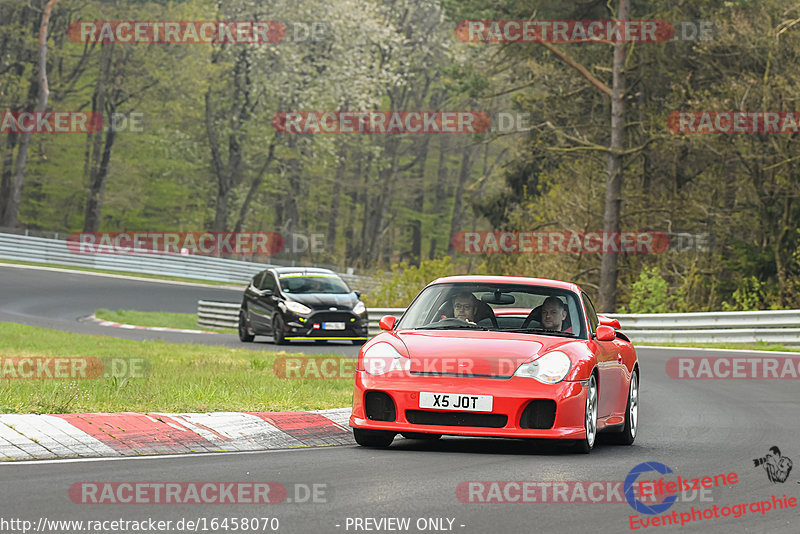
{"points": [[266, 293], [613, 323], [605, 333], [357, 292], [387, 322]]}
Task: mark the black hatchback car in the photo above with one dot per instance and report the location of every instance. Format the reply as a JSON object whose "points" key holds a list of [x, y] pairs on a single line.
{"points": [[302, 303]]}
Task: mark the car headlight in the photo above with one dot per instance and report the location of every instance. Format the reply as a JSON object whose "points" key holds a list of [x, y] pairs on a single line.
{"points": [[382, 358], [549, 369], [359, 308], [296, 307]]}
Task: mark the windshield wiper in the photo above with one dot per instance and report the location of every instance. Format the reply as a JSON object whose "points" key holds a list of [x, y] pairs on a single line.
{"points": [[539, 331]]}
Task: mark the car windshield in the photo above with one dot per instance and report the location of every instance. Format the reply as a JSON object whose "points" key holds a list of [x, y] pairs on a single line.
{"points": [[317, 283], [531, 309]]}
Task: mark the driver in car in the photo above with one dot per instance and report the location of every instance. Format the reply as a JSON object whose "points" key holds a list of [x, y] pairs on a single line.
{"points": [[554, 312], [465, 306]]}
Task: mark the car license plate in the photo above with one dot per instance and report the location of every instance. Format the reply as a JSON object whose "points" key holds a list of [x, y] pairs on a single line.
{"points": [[455, 401], [333, 326]]}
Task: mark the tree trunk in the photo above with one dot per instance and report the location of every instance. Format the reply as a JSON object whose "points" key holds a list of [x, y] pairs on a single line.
{"points": [[7, 172], [333, 216], [418, 203], [96, 154], [97, 187], [611, 216], [11, 211], [251, 193], [440, 192], [455, 221]]}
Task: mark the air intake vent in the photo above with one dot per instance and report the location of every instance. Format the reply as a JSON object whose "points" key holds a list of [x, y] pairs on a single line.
{"points": [[379, 406], [539, 414]]}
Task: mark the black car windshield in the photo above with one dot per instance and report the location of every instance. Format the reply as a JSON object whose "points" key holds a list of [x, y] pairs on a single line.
{"points": [[531, 309], [317, 283]]}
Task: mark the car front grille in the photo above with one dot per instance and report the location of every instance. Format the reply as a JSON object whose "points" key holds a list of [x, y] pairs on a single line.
{"points": [[488, 420]]}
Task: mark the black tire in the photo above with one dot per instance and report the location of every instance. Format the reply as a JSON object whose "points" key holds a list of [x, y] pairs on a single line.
{"points": [[586, 444], [628, 434], [244, 334], [278, 334], [377, 439], [420, 435]]}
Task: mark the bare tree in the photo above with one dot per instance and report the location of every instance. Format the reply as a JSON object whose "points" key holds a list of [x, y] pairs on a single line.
{"points": [[11, 211]]}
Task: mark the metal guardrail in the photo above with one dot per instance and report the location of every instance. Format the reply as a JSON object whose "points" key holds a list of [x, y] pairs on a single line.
{"points": [[55, 251], [221, 314], [721, 327], [226, 314]]}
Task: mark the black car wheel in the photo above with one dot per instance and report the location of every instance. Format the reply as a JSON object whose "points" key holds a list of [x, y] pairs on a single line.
{"points": [[244, 334], [278, 333], [379, 439]]}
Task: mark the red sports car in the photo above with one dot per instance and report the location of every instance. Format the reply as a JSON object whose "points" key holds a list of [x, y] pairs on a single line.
{"points": [[497, 356]]}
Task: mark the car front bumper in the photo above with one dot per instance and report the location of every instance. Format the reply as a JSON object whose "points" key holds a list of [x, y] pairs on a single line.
{"points": [[312, 327], [511, 396]]}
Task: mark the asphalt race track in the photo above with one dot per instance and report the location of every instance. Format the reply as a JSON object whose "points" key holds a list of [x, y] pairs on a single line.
{"points": [[695, 427], [60, 299]]}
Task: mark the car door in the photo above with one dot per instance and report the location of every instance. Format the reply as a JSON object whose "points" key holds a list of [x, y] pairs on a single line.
{"points": [[609, 363], [268, 299], [253, 297]]}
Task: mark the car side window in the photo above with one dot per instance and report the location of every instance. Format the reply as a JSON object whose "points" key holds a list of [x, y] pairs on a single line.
{"points": [[268, 282], [256, 282], [590, 313]]}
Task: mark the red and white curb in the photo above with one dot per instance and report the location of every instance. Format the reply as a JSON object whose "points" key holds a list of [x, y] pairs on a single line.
{"points": [[101, 322], [76, 435]]}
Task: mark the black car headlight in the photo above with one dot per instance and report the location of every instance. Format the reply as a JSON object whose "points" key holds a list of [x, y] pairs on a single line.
{"points": [[296, 307]]}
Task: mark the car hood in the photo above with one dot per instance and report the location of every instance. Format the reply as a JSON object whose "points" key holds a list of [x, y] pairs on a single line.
{"points": [[474, 352], [323, 301]]}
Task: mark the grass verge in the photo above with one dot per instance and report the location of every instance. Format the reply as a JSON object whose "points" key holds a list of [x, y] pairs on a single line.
{"points": [[163, 319], [182, 378], [125, 273]]}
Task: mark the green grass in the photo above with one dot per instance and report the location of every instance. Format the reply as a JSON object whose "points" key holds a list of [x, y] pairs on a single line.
{"points": [[164, 319], [760, 345], [124, 273], [182, 378]]}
